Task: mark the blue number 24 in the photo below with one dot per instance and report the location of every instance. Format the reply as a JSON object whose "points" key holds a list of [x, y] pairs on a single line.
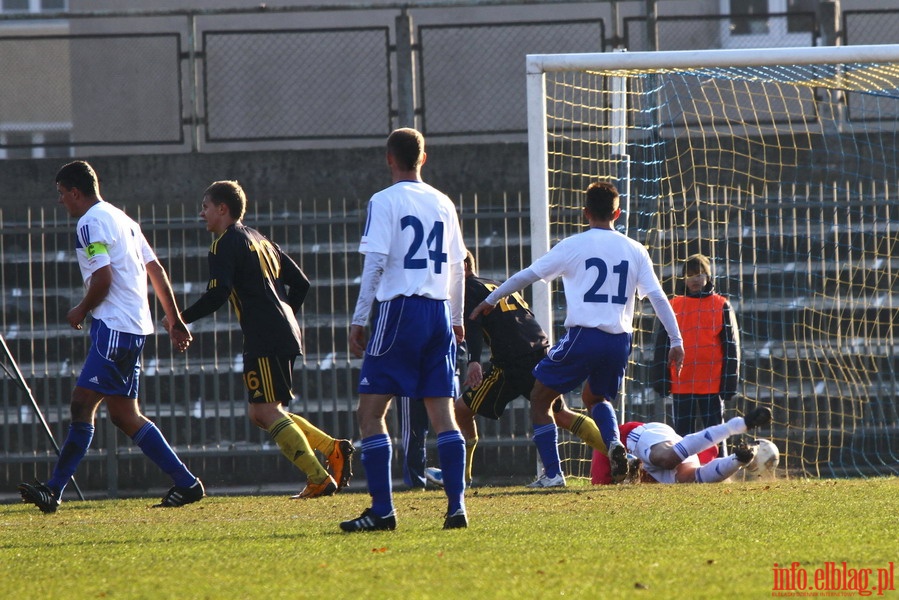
{"points": [[434, 245], [602, 273]]}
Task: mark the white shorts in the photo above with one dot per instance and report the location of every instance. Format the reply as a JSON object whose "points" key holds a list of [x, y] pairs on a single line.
{"points": [[641, 440]]}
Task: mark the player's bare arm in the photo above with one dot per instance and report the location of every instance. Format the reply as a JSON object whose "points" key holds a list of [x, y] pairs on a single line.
{"points": [[474, 375], [515, 283], [173, 323], [676, 358], [483, 308], [97, 290], [357, 340]]}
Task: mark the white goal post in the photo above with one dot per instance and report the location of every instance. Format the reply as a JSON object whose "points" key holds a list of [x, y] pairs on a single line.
{"points": [[781, 165]]}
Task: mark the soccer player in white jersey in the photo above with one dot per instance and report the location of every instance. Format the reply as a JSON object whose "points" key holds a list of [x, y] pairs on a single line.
{"points": [[413, 252], [602, 272], [115, 261], [669, 458]]}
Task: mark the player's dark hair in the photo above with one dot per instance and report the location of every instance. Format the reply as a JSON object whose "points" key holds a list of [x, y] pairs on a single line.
{"points": [[602, 200], [231, 195], [79, 175], [470, 263], [407, 146]]}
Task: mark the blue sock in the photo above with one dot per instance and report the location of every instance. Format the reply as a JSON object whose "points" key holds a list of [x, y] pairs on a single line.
{"points": [[604, 415], [376, 454], [546, 438], [73, 450], [152, 443], [451, 453]]}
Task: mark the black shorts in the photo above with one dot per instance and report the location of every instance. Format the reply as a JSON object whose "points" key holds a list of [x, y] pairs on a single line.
{"points": [[501, 385], [268, 378]]}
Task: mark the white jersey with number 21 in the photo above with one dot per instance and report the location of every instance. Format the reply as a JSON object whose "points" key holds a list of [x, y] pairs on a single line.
{"points": [[602, 273], [416, 227]]}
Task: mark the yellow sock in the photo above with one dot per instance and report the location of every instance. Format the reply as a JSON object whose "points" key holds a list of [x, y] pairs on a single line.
{"points": [[295, 447], [585, 428], [469, 455], [318, 439]]}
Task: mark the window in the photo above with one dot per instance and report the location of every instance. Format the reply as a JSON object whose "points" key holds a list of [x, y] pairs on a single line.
{"points": [[748, 17], [33, 5], [57, 144], [16, 6], [18, 145], [801, 23], [35, 144]]}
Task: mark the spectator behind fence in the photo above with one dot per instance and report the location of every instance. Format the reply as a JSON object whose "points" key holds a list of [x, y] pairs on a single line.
{"points": [[711, 371]]}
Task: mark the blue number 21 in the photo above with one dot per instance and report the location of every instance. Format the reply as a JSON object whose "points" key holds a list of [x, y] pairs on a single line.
{"points": [[434, 245], [602, 272]]}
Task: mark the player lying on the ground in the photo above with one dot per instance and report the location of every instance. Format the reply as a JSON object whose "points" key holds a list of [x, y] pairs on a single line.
{"points": [[670, 458]]}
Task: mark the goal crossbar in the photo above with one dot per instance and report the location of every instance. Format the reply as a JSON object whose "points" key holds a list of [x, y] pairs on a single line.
{"points": [[687, 59]]}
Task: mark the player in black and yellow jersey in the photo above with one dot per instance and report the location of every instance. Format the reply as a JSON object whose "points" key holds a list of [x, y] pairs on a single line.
{"points": [[266, 288], [517, 343]]}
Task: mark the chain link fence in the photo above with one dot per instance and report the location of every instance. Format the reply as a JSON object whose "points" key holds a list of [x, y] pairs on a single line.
{"points": [[297, 84], [472, 76], [282, 78]]}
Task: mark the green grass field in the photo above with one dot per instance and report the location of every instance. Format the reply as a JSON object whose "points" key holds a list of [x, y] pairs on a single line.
{"points": [[643, 541]]}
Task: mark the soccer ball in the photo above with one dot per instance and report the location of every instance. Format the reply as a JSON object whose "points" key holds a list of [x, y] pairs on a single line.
{"points": [[767, 457]]}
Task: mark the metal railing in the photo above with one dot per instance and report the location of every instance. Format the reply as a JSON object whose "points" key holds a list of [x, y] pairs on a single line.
{"points": [[198, 399]]}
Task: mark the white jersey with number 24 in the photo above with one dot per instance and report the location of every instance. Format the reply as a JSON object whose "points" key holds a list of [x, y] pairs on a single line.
{"points": [[416, 227]]}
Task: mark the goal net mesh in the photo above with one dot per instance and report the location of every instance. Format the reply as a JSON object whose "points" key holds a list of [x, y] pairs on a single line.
{"points": [[785, 177]]}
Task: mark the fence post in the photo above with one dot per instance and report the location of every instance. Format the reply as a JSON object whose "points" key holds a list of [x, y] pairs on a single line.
{"points": [[652, 25], [193, 55], [832, 102], [829, 18], [405, 66]]}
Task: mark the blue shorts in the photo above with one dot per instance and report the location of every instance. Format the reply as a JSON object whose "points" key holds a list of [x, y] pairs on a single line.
{"points": [[412, 350], [586, 354], [112, 366]]}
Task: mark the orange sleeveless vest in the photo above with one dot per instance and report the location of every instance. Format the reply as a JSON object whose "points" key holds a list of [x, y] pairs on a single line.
{"points": [[701, 321]]}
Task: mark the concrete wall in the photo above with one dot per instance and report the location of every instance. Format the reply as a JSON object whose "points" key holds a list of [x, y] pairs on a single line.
{"points": [[353, 173]]}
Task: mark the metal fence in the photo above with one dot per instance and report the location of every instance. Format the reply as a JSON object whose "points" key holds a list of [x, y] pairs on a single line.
{"points": [[198, 399], [288, 77]]}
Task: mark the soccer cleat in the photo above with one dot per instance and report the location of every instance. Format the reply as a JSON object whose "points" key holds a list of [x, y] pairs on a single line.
{"points": [[340, 462], [618, 462], [548, 482], [633, 469], [744, 453], [369, 521], [179, 496], [316, 490], [758, 416], [40, 495], [457, 520], [435, 476]]}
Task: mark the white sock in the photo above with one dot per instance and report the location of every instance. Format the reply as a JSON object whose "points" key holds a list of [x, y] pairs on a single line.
{"points": [[718, 469], [708, 437]]}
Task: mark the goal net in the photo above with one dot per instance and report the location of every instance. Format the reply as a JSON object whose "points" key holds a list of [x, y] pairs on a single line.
{"points": [[780, 166]]}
